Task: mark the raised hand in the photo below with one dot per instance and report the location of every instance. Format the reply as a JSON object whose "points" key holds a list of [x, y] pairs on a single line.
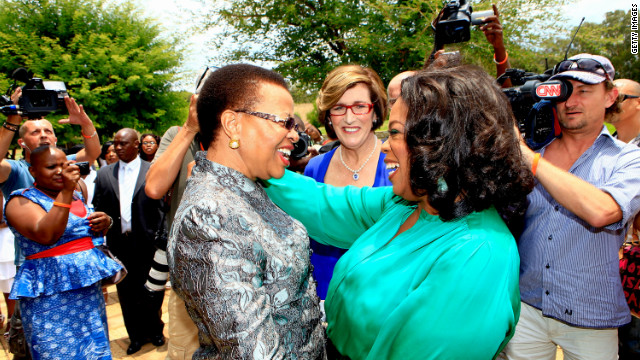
{"points": [[77, 115]]}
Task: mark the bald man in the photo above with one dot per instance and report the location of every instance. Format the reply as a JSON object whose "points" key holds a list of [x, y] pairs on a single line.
{"points": [[393, 89], [119, 192], [627, 121]]}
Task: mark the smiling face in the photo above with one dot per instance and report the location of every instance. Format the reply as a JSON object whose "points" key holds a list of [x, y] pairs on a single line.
{"points": [[149, 145], [352, 130], [585, 109], [397, 153], [265, 145]]}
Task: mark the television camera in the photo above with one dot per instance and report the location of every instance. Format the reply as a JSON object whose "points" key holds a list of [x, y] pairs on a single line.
{"points": [[38, 98]]}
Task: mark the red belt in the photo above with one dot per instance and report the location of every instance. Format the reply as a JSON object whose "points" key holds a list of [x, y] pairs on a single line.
{"points": [[71, 247]]}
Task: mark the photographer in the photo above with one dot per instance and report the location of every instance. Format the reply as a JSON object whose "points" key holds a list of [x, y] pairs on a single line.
{"points": [[14, 174], [587, 191], [63, 269]]}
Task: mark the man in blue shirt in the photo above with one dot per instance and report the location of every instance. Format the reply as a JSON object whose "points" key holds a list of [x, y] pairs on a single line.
{"points": [[14, 174], [587, 191]]}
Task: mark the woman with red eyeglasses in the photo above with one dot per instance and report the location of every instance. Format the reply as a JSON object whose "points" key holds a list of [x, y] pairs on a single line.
{"points": [[352, 104]]}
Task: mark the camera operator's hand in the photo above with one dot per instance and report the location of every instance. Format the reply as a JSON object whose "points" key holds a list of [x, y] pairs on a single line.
{"points": [[16, 95], [77, 115], [492, 30], [192, 121]]}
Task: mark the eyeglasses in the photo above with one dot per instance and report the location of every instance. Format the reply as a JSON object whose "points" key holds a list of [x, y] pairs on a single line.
{"points": [[148, 143], [627, 96], [288, 123], [588, 65], [356, 109]]}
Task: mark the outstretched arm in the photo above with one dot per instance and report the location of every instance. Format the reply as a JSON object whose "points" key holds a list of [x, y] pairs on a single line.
{"points": [[6, 136], [597, 207], [78, 116], [168, 160], [492, 30]]}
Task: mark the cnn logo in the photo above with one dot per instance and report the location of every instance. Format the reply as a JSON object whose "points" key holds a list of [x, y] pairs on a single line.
{"points": [[549, 90]]}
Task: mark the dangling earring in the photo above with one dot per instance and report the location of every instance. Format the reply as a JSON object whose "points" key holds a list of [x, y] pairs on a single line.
{"points": [[234, 143]]}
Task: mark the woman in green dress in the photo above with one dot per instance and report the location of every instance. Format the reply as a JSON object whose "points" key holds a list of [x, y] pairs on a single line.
{"points": [[432, 268]]}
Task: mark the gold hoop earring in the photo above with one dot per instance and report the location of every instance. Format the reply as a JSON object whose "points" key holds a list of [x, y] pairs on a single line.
{"points": [[234, 143]]}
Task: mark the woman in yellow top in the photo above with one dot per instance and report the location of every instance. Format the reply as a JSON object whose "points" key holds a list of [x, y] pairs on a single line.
{"points": [[432, 269]]}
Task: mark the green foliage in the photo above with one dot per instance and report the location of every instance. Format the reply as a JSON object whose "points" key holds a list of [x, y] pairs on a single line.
{"points": [[111, 59], [305, 39], [312, 116], [612, 39]]}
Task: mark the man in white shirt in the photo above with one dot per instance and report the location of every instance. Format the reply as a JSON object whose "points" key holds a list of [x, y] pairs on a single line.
{"points": [[120, 193]]}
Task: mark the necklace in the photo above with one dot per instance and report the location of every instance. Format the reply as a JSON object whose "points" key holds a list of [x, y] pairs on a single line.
{"points": [[356, 176]]}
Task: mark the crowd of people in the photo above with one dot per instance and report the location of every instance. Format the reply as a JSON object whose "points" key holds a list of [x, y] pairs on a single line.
{"points": [[447, 239]]}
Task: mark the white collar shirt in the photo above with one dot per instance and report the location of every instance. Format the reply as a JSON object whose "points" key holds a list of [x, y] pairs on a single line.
{"points": [[127, 178]]}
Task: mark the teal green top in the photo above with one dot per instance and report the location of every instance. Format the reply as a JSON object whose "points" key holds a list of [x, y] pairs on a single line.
{"points": [[440, 290]]}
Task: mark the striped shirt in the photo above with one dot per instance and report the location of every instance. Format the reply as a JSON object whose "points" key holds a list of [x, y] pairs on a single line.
{"points": [[569, 269]]}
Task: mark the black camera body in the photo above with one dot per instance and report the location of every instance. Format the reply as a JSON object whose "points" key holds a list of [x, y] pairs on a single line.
{"points": [[533, 98], [84, 167], [455, 20], [301, 148], [38, 98]]}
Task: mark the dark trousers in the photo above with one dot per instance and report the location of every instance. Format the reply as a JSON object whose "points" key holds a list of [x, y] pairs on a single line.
{"points": [[141, 309], [629, 340]]}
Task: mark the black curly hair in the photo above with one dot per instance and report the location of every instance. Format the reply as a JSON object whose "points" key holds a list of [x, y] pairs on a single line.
{"points": [[231, 87], [464, 153]]}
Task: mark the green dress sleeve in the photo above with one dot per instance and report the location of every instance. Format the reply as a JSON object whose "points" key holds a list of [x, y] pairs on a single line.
{"points": [[332, 215]]}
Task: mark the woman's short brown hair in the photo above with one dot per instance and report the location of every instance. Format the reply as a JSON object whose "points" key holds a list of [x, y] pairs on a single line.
{"points": [[343, 78]]}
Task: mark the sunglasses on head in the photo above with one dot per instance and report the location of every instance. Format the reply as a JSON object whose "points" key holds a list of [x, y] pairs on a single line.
{"points": [[588, 65], [288, 123]]}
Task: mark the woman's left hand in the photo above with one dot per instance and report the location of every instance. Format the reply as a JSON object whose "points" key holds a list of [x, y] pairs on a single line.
{"points": [[99, 221]]}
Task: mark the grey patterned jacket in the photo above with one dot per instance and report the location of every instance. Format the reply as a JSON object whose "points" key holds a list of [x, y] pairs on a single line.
{"points": [[242, 267]]}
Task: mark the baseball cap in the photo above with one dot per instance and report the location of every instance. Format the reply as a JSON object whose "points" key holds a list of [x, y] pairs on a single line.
{"points": [[586, 68]]}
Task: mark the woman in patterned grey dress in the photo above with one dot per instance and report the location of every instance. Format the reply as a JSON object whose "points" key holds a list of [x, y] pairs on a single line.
{"points": [[239, 262]]}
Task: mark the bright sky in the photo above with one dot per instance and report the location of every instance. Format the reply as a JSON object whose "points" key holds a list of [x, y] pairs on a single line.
{"points": [[175, 17]]}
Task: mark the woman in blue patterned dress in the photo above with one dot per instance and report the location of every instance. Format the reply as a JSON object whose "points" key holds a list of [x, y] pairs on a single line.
{"points": [[63, 310]]}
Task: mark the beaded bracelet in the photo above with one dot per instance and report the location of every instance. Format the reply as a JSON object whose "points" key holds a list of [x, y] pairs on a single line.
{"points": [[10, 126]]}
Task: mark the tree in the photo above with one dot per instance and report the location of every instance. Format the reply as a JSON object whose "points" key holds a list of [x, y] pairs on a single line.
{"points": [[111, 59], [307, 38], [612, 39]]}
